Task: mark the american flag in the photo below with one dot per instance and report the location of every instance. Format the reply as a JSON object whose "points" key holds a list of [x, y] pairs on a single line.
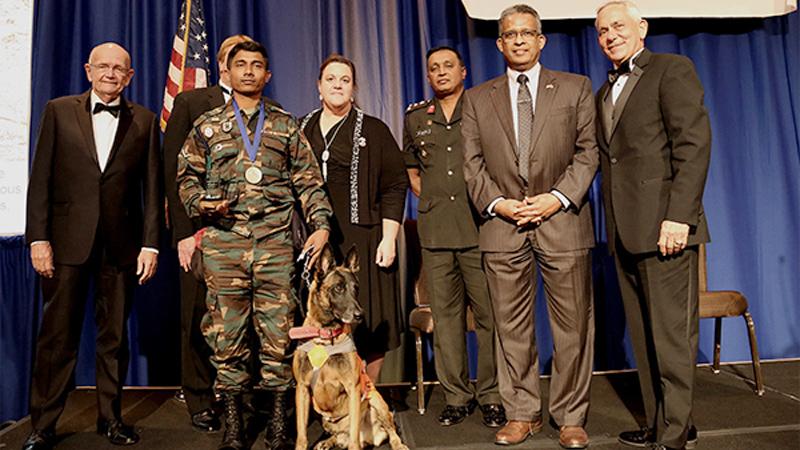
{"points": [[188, 65]]}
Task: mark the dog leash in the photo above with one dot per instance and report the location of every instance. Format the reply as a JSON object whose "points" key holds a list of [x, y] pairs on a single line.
{"points": [[305, 277]]}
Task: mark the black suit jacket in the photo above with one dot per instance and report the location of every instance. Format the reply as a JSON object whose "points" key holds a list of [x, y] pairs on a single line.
{"points": [[71, 201], [655, 147], [187, 108]]}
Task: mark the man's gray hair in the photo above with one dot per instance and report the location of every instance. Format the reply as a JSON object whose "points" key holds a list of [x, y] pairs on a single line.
{"points": [[630, 6], [519, 9]]}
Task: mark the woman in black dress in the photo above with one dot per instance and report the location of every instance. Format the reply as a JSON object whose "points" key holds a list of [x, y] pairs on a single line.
{"points": [[366, 179]]}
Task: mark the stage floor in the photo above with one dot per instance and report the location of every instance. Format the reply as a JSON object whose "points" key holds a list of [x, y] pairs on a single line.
{"points": [[727, 413]]}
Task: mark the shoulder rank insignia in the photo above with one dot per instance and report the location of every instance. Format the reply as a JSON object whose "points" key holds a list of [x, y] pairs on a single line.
{"points": [[418, 105]]}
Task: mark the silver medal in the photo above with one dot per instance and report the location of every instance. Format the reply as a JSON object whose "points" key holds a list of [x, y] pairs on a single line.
{"points": [[253, 175]]}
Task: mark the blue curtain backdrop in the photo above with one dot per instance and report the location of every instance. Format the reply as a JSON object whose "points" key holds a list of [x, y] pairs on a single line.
{"points": [[750, 70]]}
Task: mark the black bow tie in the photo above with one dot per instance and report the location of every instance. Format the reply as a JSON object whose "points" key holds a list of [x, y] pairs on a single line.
{"points": [[113, 110], [623, 69]]}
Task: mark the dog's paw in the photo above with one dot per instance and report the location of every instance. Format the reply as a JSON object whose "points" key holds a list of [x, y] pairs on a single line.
{"points": [[327, 444]]}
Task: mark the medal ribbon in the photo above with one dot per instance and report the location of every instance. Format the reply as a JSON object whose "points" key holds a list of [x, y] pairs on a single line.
{"points": [[251, 147]]}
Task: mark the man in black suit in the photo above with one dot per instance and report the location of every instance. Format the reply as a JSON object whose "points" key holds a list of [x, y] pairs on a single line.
{"points": [[94, 211], [197, 373], [655, 141]]}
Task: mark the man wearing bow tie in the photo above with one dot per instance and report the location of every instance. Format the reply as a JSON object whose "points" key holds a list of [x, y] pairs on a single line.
{"points": [[655, 142], [94, 212], [529, 158]]}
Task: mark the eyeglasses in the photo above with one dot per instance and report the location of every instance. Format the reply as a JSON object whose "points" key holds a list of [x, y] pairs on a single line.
{"points": [[511, 36], [105, 68]]}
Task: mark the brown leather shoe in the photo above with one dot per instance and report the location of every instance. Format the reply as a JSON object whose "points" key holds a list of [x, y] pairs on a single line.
{"points": [[516, 431], [573, 437]]}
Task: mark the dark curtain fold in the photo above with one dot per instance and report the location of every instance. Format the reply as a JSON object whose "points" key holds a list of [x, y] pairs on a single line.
{"points": [[750, 69]]}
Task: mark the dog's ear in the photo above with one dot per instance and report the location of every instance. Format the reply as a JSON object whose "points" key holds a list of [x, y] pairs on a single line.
{"points": [[326, 261], [351, 261]]}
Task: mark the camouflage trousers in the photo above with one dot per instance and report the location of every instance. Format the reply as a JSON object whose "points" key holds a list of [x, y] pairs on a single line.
{"points": [[249, 281]]}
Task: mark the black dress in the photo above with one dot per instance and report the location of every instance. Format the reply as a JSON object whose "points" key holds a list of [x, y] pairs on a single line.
{"points": [[379, 292]]}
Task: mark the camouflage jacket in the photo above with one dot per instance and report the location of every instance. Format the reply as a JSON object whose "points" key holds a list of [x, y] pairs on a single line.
{"points": [[289, 172]]}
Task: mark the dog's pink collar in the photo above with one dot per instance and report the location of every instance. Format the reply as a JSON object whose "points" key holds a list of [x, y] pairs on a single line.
{"points": [[309, 332]]}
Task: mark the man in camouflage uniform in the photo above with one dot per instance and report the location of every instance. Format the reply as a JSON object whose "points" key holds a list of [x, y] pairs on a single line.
{"points": [[245, 189], [449, 238]]}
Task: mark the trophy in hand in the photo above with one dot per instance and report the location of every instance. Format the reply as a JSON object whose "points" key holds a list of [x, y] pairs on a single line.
{"points": [[214, 205]]}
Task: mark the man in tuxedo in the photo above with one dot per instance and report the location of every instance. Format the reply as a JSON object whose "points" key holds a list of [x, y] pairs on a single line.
{"points": [[529, 158], [655, 149], [94, 212], [197, 373]]}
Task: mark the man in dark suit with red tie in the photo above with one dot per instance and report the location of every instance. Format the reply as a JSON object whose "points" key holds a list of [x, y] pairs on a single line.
{"points": [[529, 158], [655, 142], [93, 212]]}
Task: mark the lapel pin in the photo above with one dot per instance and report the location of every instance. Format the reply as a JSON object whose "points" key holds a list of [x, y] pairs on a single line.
{"points": [[208, 132], [227, 127], [549, 86], [431, 109]]}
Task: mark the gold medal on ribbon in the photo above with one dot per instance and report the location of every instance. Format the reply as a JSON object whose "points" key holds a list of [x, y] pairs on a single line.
{"points": [[253, 175]]}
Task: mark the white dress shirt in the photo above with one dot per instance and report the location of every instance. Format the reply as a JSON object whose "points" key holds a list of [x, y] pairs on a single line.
{"points": [[104, 127], [226, 91], [619, 85]]}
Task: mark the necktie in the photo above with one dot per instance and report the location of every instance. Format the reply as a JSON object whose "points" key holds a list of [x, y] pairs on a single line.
{"points": [[100, 107], [525, 122]]}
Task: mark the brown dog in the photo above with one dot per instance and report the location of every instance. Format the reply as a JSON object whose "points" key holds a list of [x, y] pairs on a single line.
{"points": [[327, 367]]}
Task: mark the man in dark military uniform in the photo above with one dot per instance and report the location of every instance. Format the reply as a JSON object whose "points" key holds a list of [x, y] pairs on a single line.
{"points": [[449, 238], [242, 168]]}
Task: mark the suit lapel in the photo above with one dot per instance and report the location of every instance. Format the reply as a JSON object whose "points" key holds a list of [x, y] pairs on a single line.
{"points": [[501, 100], [605, 111], [544, 99], [125, 120], [630, 85], [83, 114], [215, 97]]}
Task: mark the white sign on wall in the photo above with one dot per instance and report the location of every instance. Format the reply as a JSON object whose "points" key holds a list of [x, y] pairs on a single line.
{"points": [[16, 38], [585, 9]]}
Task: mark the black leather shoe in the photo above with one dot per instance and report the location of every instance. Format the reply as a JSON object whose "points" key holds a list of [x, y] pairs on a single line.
{"points": [[645, 438], [117, 432], [494, 415], [206, 421], [452, 415], [639, 438], [40, 440]]}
